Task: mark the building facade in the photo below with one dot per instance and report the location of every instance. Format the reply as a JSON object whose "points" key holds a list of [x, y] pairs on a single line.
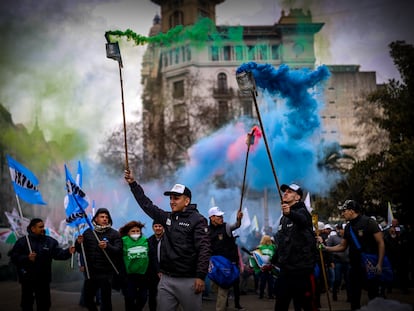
{"points": [[190, 91]]}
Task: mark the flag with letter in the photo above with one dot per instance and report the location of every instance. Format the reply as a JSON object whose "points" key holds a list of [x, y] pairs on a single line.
{"points": [[76, 201], [24, 182], [17, 223]]}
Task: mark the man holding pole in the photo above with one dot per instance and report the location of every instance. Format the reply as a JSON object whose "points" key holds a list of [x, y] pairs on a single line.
{"points": [[223, 243], [103, 248], [33, 256], [297, 252]]}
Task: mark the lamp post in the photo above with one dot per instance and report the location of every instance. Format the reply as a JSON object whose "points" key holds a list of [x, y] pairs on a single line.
{"points": [[246, 83], [113, 52]]}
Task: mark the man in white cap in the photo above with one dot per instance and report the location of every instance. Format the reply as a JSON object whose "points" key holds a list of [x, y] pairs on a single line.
{"points": [[185, 248], [296, 252], [223, 243]]}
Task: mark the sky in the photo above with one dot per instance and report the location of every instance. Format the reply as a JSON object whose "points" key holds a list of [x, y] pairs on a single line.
{"points": [[54, 69]]}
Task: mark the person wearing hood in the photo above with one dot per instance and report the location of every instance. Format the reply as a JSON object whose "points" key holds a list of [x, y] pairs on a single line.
{"points": [[136, 261], [185, 249], [33, 255], [296, 253], [102, 246]]}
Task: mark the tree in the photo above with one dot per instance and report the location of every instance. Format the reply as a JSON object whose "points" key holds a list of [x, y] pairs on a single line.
{"points": [[387, 176], [112, 152]]}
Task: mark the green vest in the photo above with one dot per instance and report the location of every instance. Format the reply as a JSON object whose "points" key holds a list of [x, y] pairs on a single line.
{"points": [[135, 254]]}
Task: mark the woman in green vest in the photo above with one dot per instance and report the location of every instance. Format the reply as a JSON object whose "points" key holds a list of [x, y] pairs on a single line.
{"points": [[136, 261]]}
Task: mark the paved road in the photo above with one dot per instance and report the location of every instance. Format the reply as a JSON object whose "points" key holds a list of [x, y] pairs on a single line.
{"points": [[65, 297]]}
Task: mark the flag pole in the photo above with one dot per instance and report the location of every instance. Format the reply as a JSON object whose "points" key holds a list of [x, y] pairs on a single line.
{"points": [[315, 221], [123, 116], [249, 142], [21, 216], [246, 82], [113, 52]]}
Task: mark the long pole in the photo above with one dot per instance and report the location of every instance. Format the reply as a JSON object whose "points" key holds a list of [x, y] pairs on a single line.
{"points": [[249, 142], [123, 116], [21, 216], [315, 224], [266, 144]]}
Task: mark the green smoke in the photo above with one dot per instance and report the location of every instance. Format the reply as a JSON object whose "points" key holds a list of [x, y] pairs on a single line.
{"points": [[198, 35]]}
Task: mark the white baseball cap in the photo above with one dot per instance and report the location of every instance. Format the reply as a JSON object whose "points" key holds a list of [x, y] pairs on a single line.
{"points": [[215, 211]]}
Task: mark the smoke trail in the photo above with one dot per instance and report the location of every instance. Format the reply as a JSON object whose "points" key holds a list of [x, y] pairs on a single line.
{"points": [[198, 35]]}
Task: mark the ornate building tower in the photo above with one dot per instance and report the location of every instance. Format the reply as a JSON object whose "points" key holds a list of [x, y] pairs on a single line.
{"points": [[185, 12]]}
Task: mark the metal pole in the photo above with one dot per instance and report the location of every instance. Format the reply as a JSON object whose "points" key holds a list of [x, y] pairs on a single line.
{"points": [[123, 116], [266, 144], [21, 216], [315, 224], [249, 142]]}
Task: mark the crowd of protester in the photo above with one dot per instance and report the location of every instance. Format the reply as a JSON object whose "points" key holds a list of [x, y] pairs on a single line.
{"points": [[283, 265]]}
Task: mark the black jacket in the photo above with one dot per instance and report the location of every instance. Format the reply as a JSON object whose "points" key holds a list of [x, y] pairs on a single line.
{"points": [[185, 247], [295, 241], [46, 248], [96, 260], [222, 243]]}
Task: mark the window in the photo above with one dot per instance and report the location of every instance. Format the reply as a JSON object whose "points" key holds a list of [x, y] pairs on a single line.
{"points": [[262, 52], [165, 59], [238, 51], [251, 52], [188, 49], [177, 55], [180, 112], [222, 82], [176, 19], [275, 51], [247, 108], [223, 111], [227, 52], [214, 53], [178, 89]]}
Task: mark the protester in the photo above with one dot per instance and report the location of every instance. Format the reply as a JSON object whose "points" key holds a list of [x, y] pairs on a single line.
{"points": [[185, 249], [136, 261], [296, 252], [370, 238], [103, 252], [341, 263], [33, 255], [223, 243], [397, 250], [267, 250], [154, 267]]}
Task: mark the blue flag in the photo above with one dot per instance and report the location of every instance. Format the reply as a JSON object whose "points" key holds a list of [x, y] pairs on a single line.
{"points": [[24, 182], [76, 201]]}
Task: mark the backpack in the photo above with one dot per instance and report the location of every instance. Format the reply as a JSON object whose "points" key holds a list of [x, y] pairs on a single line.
{"points": [[222, 271]]}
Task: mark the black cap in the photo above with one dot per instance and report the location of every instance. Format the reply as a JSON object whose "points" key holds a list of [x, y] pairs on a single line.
{"points": [[350, 204], [179, 189], [293, 187]]}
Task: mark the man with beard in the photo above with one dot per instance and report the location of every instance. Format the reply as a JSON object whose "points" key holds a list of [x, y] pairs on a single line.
{"points": [[103, 248]]}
